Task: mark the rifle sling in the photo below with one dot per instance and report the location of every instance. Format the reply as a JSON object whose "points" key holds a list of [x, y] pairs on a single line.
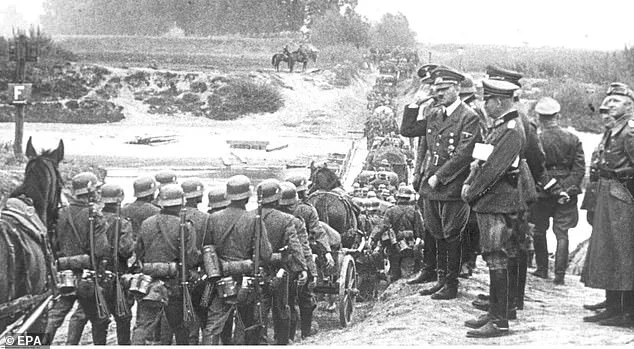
{"points": [[225, 234], [165, 237], [72, 226]]}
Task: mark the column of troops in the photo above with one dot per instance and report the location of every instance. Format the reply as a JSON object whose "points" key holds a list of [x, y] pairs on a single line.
{"points": [[489, 178], [225, 275]]}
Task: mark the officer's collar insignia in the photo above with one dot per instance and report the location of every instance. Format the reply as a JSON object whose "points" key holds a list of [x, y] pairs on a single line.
{"points": [[508, 116], [511, 124]]}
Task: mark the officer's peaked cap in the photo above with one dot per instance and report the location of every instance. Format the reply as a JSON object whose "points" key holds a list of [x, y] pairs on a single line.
{"points": [[445, 77], [192, 188], [238, 188], [271, 190], [112, 193], [144, 186], [547, 106], [498, 73], [498, 88], [621, 89]]}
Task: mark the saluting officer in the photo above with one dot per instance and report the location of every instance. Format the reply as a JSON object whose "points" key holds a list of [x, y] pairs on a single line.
{"points": [[407, 225], [112, 195], [284, 240], [142, 208], [232, 232], [159, 242], [495, 192], [565, 165], [305, 299], [450, 131], [73, 228], [193, 191], [610, 256], [317, 236]]}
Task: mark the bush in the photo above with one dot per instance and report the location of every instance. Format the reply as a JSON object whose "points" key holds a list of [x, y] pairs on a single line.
{"points": [[88, 111], [393, 30], [334, 29], [241, 97]]}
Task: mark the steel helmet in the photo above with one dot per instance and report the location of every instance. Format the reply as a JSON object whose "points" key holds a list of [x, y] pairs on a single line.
{"points": [[170, 195], [192, 188], [85, 183], [112, 193], [405, 192], [166, 177], [271, 190], [144, 186], [238, 188], [301, 184], [289, 194], [217, 198]]}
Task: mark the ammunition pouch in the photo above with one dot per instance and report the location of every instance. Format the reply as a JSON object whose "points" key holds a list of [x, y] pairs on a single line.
{"points": [[140, 284], [86, 285], [68, 281], [237, 268], [246, 293], [81, 261], [157, 292], [160, 270], [227, 287]]}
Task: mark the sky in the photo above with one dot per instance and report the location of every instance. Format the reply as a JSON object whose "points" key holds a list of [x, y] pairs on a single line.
{"points": [[602, 25]]}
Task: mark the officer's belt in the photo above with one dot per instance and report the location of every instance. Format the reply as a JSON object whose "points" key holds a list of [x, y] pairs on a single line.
{"points": [[608, 174]]}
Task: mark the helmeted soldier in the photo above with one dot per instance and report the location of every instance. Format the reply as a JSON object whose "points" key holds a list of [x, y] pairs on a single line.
{"points": [[232, 232], [216, 198], [406, 225], [112, 195], [73, 229], [159, 242], [142, 208], [305, 299], [450, 132], [610, 257], [284, 240], [317, 236], [193, 191], [565, 165], [166, 177], [495, 192]]}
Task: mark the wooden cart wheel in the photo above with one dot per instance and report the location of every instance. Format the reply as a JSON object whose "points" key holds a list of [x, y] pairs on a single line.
{"points": [[347, 290]]}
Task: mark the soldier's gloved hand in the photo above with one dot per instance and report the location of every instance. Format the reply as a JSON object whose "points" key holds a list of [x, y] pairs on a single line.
{"points": [[564, 198], [474, 165], [330, 262], [303, 278]]}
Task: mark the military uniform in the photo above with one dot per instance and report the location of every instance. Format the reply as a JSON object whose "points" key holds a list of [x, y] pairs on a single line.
{"points": [[609, 260], [449, 144], [158, 242], [73, 228], [138, 211], [565, 164], [495, 191]]}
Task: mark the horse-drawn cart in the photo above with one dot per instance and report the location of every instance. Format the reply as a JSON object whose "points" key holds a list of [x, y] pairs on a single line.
{"points": [[342, 282]]}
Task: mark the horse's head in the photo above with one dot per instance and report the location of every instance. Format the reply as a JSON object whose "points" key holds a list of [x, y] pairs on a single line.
{"points": [[43, 182], [322, 177]]}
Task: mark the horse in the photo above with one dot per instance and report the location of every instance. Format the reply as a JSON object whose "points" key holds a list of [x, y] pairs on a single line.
{"points": [[27, 273], [302, 55], [333, 205], [277, 59]]}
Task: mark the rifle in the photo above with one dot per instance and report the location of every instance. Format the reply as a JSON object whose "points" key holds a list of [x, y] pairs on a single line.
{"points": [[121, 308], [188, 307], [102, 307]]}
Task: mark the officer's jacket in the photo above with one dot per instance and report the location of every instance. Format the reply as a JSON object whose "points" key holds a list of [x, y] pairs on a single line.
{"points": [[400, 217], [126, 238], [199, 221], [565, 161], [316, 233], [616, 149], [159, 241], [490, 189], [282, 233], [449, 145], [533, 150], [73, 229], [232, 232], [137, 212]]}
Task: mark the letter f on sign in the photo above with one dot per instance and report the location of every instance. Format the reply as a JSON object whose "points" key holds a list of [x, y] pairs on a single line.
{"points": [[17, 92]]}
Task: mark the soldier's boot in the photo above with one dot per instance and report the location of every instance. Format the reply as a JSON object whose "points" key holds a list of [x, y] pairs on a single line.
{"points": [[395, 266], [282, 331], [465, 248], [441, 271], [306, 321], [626, 318], [541, 255], [498, 325], [613, 300], [522, 264], [123, 330], [450, 288], [99, 331], [76, 326], [491, 298], [427, 274], [531, 257], [561, 261], [513, 286]]}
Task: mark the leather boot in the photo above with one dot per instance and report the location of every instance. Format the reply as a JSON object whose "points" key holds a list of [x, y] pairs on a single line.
{"points": [[441, 262], [513, 273], [437, 287], [497, 325], [423, 276], [597, 306], [450, 289], [306, 320], [613, 300], [541, 255], [395, 265], [626, 318], [522, 270], [561, 261]]}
